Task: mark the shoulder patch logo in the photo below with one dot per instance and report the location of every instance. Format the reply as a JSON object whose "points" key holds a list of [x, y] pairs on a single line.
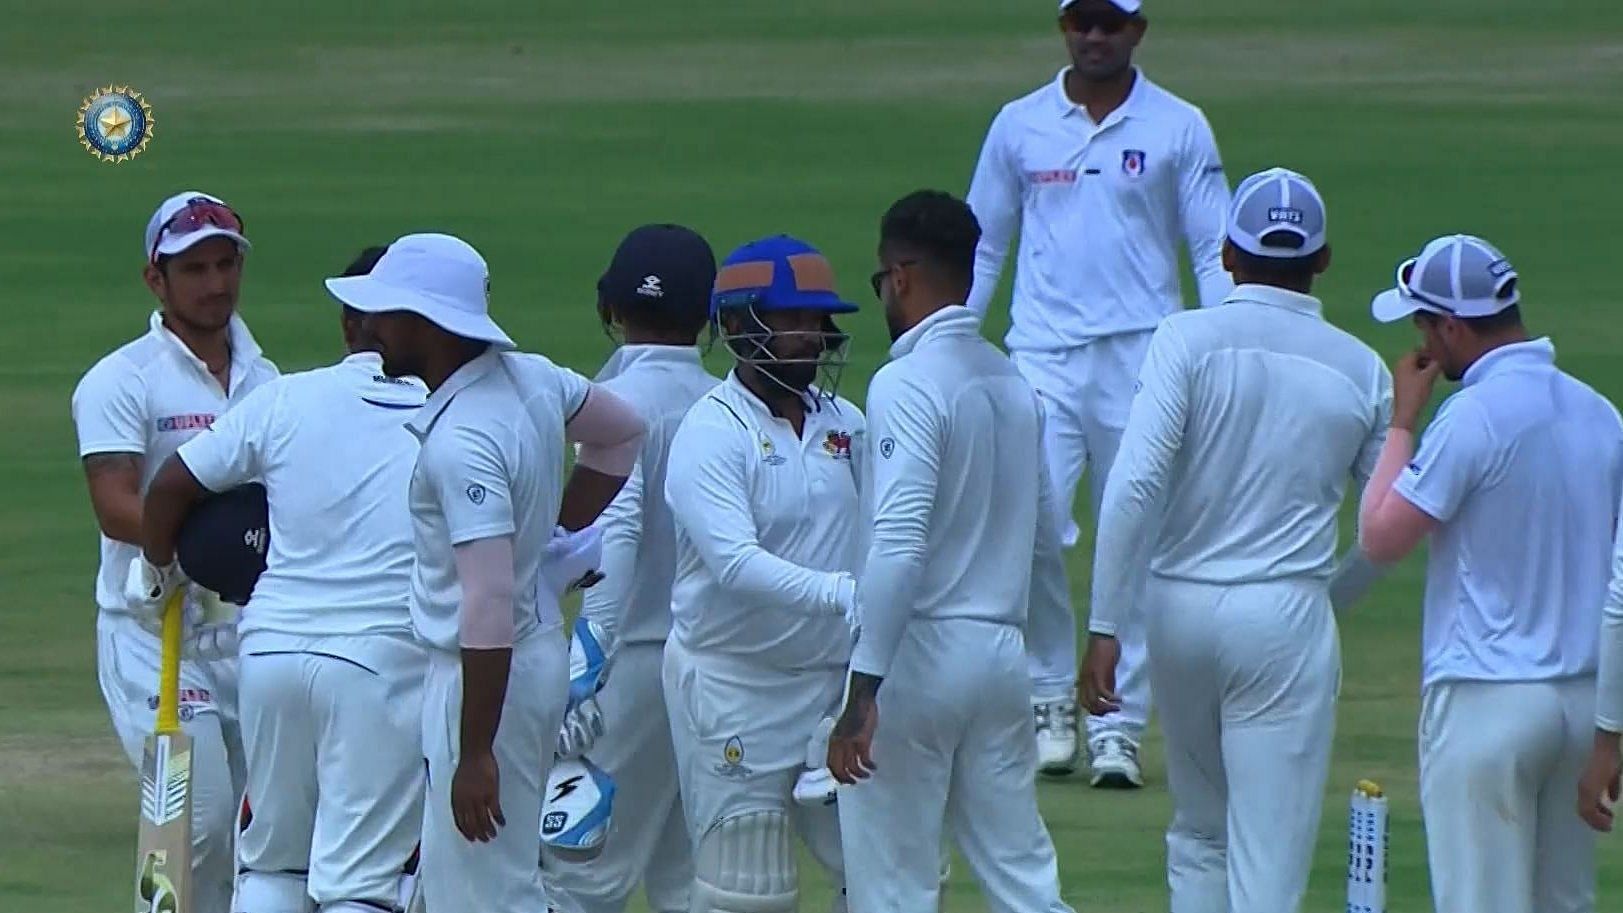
{"points": [[476, 493]]}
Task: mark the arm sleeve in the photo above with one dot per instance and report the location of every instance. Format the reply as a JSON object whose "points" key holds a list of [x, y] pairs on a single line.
{"points": [[1356, 571], [484, 568], [1050, 586], [621, 524], [1609, 678], [1203, 202], [109, 410], [1369, 454], [705, 487], [232, 452], [994, 197], [909, 429], [573, 388], [609, 432], [1129, 513], [468, 473]]}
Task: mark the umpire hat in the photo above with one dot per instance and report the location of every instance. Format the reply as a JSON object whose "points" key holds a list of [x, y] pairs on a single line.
{"points": [[223, 542]]}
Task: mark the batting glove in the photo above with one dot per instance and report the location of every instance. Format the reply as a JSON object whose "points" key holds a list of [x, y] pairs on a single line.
{"points": [[212, 641], [148, 588], [845, 602], [571, 560], [583, 723], [816, 785]]}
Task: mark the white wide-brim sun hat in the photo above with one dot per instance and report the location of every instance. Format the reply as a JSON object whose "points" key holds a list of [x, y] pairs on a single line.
{"points": [[438, 277]]}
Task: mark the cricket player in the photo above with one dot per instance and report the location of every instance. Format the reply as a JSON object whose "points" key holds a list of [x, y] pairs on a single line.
{"points": [[1517, 481], [655, 296], [330, 672], [485, 496], [1602, 779], [764, 488], [1221, 509], [1103, 173], [131, 411], [936, 729]]}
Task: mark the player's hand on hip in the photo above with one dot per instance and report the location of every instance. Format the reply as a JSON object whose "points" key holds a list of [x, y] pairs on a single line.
{"points": [[148, 587], [1097, 680], [1413, 377], [1598, 787], [476, 798]]}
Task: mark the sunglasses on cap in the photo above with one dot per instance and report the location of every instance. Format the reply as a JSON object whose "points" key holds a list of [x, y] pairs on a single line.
{"points": [[196, 214], [1110, 21]]}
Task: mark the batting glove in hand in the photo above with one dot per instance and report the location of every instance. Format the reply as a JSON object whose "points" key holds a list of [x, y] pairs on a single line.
{"points": [[148, 588], [571, 560], [212, 641], [845, 602]]}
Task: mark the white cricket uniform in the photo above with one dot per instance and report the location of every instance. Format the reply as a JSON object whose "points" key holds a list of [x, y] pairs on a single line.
{"points": [[647, 841], [962, 524], [491, 465], [1251, 419], [1523, 468], [147, 398], [769, 526], [330, 674], [1100, 209]]}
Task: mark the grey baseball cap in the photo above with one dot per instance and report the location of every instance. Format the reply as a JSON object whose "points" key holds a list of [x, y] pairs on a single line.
{"points": [[1454, 276], [1277, 213], [1130, 7]]}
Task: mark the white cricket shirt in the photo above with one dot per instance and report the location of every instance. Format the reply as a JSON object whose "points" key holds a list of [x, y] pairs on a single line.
{"points": [[766, 525], [962, 519], [332, 448], [639, 537], [491, 465], [1100, 210], [1523, 469], [1249, 421], [148, 397]]}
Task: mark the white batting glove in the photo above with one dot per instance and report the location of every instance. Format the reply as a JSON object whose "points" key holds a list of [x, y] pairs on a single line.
{"points": [[571, 560], [845, 602], [212, 641], [147, 588], [816, 785]]}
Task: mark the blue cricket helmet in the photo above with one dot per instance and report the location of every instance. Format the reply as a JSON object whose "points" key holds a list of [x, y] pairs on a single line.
{"points": [[777, 273]]}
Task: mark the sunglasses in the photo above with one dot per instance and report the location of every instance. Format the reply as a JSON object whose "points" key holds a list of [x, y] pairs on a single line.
{"points": [[877, 280], [1083, 22], [196, 214]]}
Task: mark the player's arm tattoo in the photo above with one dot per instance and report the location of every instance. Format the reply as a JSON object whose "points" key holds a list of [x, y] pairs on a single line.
{"points": [[114, 480]]}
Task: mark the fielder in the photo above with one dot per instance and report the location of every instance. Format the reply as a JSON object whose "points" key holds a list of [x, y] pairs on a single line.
{"points": [[1102, 172], [1221, 509], [131, 411], [764, 487], [486, 495], [936, 726], [656, 295], [1517, 481], [330, 673]]}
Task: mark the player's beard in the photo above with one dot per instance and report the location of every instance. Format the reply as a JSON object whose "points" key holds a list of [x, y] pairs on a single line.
{"points": [[796, 375]]}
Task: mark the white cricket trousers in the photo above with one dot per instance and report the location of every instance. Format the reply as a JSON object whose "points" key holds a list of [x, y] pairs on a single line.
{"points": [[1086, 393], [647, 842], [127, 661], [335, 774], [1246, 677], [1499, 768], [954, 746], [463, 876]]}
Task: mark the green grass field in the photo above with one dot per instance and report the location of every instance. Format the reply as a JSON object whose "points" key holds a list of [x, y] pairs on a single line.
{"points": [[541, 131]]}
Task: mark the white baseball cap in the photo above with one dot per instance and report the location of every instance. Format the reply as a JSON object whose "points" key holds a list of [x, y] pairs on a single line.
{"points": [[1130, 7], [1272, 206], [1454, 276], [440, 277], [173, 241]]}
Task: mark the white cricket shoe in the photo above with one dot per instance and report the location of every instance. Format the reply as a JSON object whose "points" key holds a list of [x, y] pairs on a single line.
{"points": [[1056, 736], [1114, 761]]}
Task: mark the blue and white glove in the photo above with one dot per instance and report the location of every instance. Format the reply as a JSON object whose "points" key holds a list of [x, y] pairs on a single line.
{"points": [[571, 560], [590, 655], [575, 816]]}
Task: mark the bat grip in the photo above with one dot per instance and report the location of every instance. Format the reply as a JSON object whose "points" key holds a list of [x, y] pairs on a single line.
{"points": [[169, 668]]}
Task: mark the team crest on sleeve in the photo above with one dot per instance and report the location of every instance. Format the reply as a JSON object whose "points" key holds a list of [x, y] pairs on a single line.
{"points": [[476, 493], [887, 446], [838, 445], [1133, 162]]}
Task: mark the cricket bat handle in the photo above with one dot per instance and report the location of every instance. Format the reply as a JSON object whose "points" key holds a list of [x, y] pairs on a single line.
{"points": [[169, 666]]}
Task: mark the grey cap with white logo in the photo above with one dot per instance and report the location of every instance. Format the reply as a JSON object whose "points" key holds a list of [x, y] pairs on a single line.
{"points": [[1277, 213], [1453, 276]]}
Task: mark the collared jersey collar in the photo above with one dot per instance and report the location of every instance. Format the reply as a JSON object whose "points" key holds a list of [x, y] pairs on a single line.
{"points": [[632, 354], [815, 399], [459, 380], [1533, 352], [245, 349], [1277, 297], [1129, 106], [952, 320]]}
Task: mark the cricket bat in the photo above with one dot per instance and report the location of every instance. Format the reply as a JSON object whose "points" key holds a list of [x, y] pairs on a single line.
{"points": [[163, 859]]}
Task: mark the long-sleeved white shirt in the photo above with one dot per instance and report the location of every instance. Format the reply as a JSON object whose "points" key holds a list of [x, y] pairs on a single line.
{"points": [[1249, 421], [769, 530], [963, 527], [332, 448], [1609, 680], [633, 602], [1100, 210]]}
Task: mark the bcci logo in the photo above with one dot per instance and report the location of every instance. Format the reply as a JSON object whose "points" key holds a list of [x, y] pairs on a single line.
{"points": [[115, 124]]}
